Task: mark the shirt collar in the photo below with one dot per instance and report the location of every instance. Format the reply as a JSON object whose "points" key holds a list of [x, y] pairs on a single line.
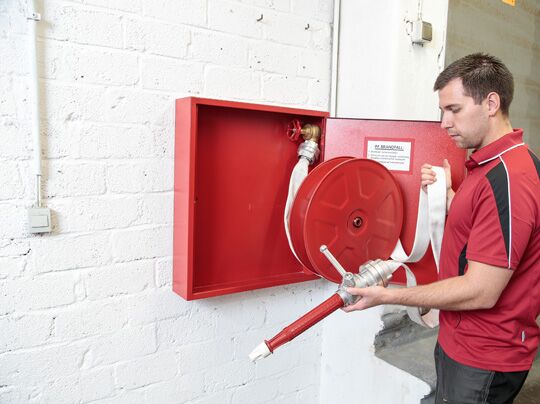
{"points": [[495, 149]]}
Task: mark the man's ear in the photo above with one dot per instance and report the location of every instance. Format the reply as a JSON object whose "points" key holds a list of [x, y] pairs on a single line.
{"points": [[493, 103]]}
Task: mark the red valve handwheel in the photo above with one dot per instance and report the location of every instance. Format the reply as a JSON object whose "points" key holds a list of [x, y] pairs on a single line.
{"points": [[354, 206], [294, 130]]}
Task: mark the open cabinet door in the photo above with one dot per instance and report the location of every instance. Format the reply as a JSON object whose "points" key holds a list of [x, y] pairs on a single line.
{"points": [[402, 147]]}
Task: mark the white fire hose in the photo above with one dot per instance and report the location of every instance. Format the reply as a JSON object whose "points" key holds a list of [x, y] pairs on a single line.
{"points": [[429, 227]]}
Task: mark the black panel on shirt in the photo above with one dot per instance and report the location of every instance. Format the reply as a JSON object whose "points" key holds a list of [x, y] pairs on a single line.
{"points": [[499, 184], [462, 261], [536, 163]]}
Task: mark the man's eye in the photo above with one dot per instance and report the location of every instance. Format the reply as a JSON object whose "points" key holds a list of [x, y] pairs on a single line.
{"points": [[455, 110]]}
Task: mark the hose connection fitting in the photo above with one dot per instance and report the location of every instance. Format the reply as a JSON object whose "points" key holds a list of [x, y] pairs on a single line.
{"points": [[311, 134], [372, 273], [309, 150]]}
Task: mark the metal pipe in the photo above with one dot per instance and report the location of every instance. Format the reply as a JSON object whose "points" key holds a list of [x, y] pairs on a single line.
{"points": [[324, 249], [38, 190], [33, 18], [335, 59]]}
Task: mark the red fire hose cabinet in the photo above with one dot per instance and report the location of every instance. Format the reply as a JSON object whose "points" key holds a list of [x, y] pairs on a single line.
{"points": [[233, 163]]}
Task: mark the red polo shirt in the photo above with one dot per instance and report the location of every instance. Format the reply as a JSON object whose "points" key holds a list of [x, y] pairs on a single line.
{"points": [[495, 219]]}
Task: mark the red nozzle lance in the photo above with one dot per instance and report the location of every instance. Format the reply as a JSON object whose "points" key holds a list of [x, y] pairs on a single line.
{"points": [[308, 320], [371, 273]]}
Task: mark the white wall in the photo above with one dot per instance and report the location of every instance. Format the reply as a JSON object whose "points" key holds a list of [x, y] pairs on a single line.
{"points": [[380, 75], [87, 312]]}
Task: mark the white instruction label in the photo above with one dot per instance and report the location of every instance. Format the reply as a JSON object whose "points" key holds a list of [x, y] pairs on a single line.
{"points": [[393, 155]]}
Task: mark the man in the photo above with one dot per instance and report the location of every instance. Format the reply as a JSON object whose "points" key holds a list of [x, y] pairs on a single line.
{"points": [[489, 282]]}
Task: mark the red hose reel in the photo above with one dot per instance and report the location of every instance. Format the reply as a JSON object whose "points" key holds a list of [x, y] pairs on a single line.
{"points": [[353, 206]]}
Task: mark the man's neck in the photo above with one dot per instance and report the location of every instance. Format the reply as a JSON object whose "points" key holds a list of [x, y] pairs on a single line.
{"points": [[500, 127]]}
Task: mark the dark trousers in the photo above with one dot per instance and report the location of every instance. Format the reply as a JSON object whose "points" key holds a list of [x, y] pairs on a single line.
{"points": [[461, 384]]}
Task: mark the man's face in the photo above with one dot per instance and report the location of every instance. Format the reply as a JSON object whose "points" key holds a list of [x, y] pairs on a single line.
{"points": [[467, 123]]}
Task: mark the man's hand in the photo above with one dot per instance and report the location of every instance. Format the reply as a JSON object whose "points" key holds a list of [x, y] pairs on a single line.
{"points": [[369, 297], [429, 177]]}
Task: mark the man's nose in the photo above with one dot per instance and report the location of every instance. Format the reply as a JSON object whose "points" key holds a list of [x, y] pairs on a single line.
{"points": [[445, 122]]}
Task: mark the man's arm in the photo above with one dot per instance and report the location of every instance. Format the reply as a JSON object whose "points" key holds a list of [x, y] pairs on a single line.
{"points": [[479, 288]]}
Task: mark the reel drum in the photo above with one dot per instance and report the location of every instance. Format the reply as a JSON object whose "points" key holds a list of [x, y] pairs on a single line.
{"points": [[354, 206]]}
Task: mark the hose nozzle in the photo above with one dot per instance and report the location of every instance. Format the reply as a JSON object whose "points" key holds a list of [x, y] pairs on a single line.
{"points": [[372, 273], [261, 351]]}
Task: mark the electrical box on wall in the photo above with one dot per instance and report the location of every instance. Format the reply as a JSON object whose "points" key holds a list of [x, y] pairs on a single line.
{"points": [[232, 167], [421, 32]]}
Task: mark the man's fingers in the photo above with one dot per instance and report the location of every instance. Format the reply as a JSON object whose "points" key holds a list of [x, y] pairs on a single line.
{"points": [[446, 164], [427, 179], [427, 176], [448, 173], [355, 291], [360, 292], [367, 297], [359, 305], [447, 168]]}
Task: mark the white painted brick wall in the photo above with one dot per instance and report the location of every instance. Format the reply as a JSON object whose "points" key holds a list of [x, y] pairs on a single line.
{"points": [[147, 36], [87, 313]]}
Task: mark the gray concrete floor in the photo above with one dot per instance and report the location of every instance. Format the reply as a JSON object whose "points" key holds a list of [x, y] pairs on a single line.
{"points": [[530, 393], [415, 355]]}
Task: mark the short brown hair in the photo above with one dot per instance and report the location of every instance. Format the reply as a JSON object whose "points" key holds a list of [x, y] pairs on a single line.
{"points": [[480, 74]]}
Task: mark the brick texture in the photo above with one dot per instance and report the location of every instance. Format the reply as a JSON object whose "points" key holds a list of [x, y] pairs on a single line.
{"points": [[87, 312]]}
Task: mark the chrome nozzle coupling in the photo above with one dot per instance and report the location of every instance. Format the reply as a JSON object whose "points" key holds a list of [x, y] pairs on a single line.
{"points": [[372, 273], [310, 150]]}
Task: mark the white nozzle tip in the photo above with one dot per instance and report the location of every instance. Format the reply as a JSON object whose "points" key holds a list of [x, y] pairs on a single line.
{"points": [[323, 248], [260, 352]]}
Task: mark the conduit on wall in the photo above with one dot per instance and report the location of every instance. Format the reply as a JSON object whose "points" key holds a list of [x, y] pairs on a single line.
{"points": [[39, 217]]}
